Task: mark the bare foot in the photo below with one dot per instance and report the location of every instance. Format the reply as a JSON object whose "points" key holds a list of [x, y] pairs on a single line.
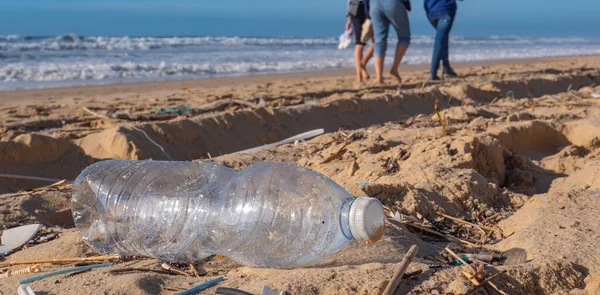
{"points": [[394, 74], [364, 73]]}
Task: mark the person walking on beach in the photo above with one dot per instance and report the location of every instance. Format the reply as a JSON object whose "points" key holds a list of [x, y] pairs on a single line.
{"points": [[441, 15], [382, 14], [357, 16]]}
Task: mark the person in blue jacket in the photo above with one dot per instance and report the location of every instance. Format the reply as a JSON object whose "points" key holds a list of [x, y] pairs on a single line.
{"points": [[441, 15]]}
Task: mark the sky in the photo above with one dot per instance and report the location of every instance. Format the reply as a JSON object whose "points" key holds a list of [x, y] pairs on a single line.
{"points": [[548, 18]]}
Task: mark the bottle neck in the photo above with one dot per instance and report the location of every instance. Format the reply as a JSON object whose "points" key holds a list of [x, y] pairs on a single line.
{"points": [[345, 218]]}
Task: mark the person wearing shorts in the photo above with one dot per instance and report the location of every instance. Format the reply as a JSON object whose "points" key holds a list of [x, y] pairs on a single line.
{"points": [[357, 16], [384, 13]]}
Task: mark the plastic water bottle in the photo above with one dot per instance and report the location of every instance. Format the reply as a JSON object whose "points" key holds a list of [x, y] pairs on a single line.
{"points": [[268, 215]]}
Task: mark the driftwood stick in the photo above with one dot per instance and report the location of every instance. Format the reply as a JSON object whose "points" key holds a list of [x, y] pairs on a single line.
{"points": [[62, 260], [487, 281], [393, 284]]}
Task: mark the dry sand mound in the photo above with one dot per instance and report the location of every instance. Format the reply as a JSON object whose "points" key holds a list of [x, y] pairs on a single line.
{"points": [[456, 192], [563, 225], [536, 139], [543, 277], [116, 143], [585, 132], [483, 154], [588, 177], [41, 156]]}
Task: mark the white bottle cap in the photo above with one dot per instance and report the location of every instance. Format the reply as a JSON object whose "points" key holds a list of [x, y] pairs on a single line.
{"points": [[367, 219]]}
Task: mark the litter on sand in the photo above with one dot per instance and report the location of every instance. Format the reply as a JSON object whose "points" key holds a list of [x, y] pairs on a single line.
{"points": [[25, 290], [268, 291], [201, 287], [15, 238], [231, 291], [302, 136], [63, 271], [29, 270]]}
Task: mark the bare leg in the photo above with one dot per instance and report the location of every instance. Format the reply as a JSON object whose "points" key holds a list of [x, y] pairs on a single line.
{"points": [[358, 57], [400, 51], [379, 69], [365, 61]]}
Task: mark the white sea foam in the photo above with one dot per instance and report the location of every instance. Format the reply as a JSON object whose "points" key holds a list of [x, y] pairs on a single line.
{"points": [[35, 62]]}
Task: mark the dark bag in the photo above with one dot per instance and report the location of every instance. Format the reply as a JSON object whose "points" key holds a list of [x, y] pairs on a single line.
{"points": [[407, 4]]}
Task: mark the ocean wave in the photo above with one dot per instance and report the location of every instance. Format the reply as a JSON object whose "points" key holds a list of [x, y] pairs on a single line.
{"points": [[46, 72], [72, 42]]}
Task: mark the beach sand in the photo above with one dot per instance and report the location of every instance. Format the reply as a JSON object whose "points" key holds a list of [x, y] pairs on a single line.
{"points": [[517, 153]]}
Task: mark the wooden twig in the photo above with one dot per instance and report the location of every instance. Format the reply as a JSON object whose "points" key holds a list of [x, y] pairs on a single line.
{"points": [[336, 154], [496, 288], [245, 103], [442, 121], [126, 270], [62, 260], [393, 284], [169, 267], [96, 114], [451, 238], [488, 281], [458, 220]]}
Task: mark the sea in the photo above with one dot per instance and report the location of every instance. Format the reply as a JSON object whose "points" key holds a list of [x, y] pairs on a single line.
{"points": [[30, 62]]}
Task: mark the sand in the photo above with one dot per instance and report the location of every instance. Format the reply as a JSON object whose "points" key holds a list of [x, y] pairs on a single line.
{"points": [[519, 151]]}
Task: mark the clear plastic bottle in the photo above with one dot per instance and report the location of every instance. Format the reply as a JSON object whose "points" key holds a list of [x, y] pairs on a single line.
{"points": [[268, 215]]}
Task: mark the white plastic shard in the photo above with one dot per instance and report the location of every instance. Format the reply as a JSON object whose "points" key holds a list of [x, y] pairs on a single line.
{"points": [[16, 237]]}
